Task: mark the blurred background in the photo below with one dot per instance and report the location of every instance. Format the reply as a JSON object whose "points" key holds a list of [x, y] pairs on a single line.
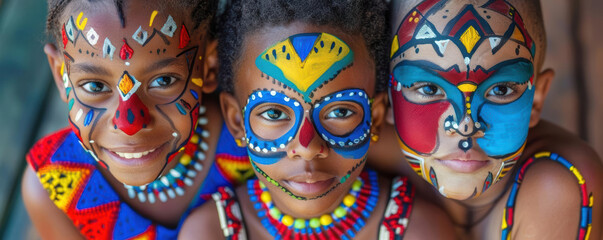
{"points": [[31, 108]]}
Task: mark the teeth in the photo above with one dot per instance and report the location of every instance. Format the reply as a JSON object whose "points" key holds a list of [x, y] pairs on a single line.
{"points": [[133, 155]]}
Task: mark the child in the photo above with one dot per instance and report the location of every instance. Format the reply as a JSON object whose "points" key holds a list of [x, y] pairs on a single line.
{"points": [[466, 87], [307, 105], [140, 151]]}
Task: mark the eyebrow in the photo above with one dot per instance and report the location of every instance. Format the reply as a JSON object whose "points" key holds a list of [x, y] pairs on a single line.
{"points": [[165, 63], [90, 68]]}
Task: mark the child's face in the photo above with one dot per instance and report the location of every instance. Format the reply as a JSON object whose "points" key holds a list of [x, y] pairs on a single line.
{"points": [[133, 90], [462, 91], [304, 93]]}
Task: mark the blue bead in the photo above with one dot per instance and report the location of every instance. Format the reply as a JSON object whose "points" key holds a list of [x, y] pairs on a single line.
{"points": [[253, 198], [262, 214], [350, 233], [257, 205]]}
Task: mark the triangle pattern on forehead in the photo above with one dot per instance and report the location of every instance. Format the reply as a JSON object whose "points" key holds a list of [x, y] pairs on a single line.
{"points": [[303, 44], [442, 44], [290, 62], [494, 42], [425, 32]]}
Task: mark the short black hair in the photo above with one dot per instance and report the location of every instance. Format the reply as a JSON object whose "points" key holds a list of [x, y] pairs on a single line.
{"points": [[202, 11], [366, 17]]}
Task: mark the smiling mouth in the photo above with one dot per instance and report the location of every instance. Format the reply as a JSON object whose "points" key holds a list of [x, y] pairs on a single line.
{"points": [[135, 154], [134, 158]]}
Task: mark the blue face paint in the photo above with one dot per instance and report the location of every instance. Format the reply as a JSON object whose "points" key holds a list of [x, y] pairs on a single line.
{"points": [[507, 124], [353, 144], [268, 151]]}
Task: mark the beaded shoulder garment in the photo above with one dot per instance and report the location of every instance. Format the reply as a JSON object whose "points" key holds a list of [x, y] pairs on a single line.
{"points": [[75, 185], [343, 223]]}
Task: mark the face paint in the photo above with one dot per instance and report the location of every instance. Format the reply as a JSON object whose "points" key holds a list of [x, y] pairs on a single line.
{"points": [[315, 108], [131, 115], [461, 91], [304, 62], [157, 106], [351, 144]]}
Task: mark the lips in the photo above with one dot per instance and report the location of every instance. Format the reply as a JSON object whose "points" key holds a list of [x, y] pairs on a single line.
{"points": [[133, 156], [310, 184], [464, 166]]}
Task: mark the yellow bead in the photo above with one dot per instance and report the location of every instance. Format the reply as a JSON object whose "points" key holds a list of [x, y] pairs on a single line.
{"points": [[326, 220], [357, 185], [349, 200], [185, 159], [266, 198], [195, 139], [287, 220]]}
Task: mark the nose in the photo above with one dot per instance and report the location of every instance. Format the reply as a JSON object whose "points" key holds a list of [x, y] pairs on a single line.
{"points": [[466, 126], [131, 114], [307, 145]]}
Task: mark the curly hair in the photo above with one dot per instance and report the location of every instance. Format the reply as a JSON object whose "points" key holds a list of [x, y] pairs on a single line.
{"points": [[365, 17], [202, 11]]}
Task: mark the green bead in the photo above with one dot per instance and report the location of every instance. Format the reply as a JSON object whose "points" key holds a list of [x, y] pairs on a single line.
{"points": [[314, 223], [300, 223], [340, 212], [275, 213]]}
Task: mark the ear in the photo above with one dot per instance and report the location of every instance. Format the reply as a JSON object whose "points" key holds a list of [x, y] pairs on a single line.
{"points": [[210, 66], [55, 61], [233, 116], [543, 84], [378, 111]]}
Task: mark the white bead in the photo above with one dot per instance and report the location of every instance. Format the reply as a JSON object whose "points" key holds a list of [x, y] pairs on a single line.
{"points": [[141, 197], [175, 173], [151, 197], [171, 193], [179, 191], [188, 182], [162, 197]]}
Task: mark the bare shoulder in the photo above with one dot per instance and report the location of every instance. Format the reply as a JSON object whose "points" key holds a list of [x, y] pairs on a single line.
{"points": [[554, 198], [202, 223], [428, 221], [48, 219]]}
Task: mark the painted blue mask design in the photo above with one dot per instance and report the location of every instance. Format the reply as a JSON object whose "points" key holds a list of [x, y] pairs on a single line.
{"points": [[353, 144]]}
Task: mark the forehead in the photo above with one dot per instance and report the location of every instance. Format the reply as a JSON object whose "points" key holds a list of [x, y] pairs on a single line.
{"points": [[248, 77], [482, 34]]}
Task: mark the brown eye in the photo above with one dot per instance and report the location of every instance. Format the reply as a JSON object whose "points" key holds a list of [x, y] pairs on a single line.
{"points": [[274, 114], [340, 113], [95, 87], [163, 81], [429, 90], [500, 90]]}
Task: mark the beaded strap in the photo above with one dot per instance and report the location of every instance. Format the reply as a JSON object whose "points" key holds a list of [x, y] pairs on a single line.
{"points": [[397, 212], [586, 199], [229, 213]]}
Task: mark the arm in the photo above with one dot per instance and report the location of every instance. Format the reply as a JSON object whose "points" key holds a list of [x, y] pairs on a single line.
{"points": [[49, 220], [202, 223], [549, 204], [546, 136]]}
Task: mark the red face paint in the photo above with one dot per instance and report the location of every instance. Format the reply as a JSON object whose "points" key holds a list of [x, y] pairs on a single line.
{"points": [[306, 134], [417, 125], [126, 51], [64, 37], [184, 37], [131, 115]]}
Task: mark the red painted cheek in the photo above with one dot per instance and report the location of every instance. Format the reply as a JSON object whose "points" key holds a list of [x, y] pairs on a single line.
{"points": [[131, 115], [417, 125], [306, 134]]}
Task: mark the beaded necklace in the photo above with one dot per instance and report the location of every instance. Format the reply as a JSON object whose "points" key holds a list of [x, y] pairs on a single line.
{"points": [[172, 184], [343, 223]]}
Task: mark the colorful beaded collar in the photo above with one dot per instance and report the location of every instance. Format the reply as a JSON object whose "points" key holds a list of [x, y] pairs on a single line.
{"points": [[343, 223]]}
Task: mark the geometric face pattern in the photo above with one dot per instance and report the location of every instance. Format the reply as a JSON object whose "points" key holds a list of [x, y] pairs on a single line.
{"points": [[500, 130], [305, 61]]}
